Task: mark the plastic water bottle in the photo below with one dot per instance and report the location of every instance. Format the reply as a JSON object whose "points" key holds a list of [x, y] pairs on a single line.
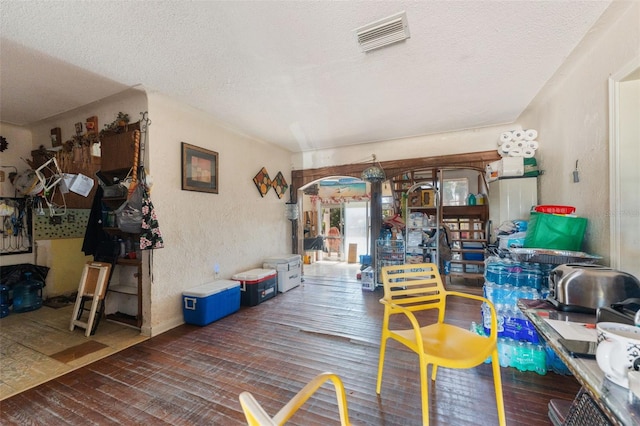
{"points": [[504, 352], [540, 360], [27, 295]]}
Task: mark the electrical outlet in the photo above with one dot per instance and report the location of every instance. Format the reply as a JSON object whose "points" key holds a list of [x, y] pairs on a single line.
{"points": [[71, 218], [55, 220]]}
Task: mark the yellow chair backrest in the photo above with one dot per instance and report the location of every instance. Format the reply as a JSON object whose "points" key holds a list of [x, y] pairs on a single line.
{"points": [[257, 416], [413, 288]]}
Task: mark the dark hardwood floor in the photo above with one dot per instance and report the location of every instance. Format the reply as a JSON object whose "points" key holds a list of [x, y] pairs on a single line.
{"points": [[192, 375]]}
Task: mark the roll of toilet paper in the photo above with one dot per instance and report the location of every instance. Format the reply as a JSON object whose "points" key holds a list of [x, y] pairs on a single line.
{"points": [[506, 147], [520, 145], [505, 137], [502, 153], [532, 144], [515, 152], [518, 135], [528, 153], [530, 134]]}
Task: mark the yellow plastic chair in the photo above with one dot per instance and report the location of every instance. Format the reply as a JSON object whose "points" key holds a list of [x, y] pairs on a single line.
{"points": [[417, 287], [256, 416]]}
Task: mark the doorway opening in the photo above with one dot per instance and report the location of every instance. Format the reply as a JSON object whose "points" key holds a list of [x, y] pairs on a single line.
{"points": [[336, 226]]}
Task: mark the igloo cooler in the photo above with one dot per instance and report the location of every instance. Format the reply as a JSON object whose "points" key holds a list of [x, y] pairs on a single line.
{"points": [[288, 268], [256, 285], [209, 302]]}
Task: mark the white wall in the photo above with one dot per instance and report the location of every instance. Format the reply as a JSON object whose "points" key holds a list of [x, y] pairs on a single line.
{"points": [[236, 228], [571, 115], [626, 212], [465, 141]]}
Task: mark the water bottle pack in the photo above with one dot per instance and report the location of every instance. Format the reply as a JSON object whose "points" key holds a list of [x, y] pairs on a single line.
{"points": [[524, 356], [517, 274], [508, 295], [511, 324], [519, 344]]}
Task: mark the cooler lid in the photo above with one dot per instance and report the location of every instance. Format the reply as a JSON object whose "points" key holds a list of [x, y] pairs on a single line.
{"points": [[254, 274], [285, 258], [208, 289]]}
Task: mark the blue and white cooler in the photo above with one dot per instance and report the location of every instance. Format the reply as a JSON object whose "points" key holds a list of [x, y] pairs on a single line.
{"points": [[289, 269], [209, 302]]}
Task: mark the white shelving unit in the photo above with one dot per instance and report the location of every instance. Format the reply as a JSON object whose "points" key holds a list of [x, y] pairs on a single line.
{"points": [[421, 224], [388, 252]]}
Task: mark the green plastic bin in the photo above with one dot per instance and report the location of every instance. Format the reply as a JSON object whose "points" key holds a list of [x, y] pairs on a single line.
{"points": [[557, 232]]}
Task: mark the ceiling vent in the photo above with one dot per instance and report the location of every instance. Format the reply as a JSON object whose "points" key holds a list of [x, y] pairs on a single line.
{"points": [[383, 32]]}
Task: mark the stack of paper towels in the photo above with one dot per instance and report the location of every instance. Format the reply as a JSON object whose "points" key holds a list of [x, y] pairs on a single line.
{"points": [[518, 143]]}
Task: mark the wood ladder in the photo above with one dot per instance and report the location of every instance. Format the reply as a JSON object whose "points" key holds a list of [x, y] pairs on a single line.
{"points": [[93, 287]]}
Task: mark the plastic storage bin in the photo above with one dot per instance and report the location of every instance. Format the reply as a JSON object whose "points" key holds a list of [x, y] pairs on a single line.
{"points": [[288, 268], [209, 302], [256, 285], [551, 231]]}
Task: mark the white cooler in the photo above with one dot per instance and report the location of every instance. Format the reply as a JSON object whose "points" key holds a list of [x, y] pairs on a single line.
{"points": [[289, 269]]}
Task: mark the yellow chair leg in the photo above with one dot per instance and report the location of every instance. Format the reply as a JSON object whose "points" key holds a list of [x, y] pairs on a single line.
{"points": [[383, 346], [497, 383], [434, 371], [425, 392]]}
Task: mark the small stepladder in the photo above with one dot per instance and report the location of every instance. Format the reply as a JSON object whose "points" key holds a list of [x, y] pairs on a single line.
{"points": [[93, 287]]}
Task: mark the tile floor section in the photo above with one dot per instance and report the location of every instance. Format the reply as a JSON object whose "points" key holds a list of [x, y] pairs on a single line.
{"points": [[37, 346]]}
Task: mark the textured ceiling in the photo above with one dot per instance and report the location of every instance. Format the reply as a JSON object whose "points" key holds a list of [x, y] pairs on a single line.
{"points": [[291, 72]]}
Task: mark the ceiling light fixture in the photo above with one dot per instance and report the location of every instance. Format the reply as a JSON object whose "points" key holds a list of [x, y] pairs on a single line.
{"points": [[383, 32], [373, 173]]}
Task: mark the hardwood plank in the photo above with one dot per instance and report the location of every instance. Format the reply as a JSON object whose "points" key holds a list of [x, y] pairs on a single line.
{"points": [[193, 375], [78, 351]]}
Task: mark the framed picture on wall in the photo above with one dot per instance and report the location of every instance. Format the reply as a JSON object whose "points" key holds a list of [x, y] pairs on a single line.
{"points": [[199, 169], [428, 198]]}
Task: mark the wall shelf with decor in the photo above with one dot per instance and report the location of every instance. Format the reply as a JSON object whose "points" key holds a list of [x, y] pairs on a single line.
{"points": [[120, 160]]}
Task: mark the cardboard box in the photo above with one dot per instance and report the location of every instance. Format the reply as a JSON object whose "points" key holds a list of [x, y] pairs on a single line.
{"points": [[506, 167], [209, 302], [257, 285]]}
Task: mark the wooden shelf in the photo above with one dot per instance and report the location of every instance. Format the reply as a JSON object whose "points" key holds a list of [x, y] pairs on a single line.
{"points": [[130, 262], [124, 294], [124, 319], [124, 289], [478, 211], [468, 240]]}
